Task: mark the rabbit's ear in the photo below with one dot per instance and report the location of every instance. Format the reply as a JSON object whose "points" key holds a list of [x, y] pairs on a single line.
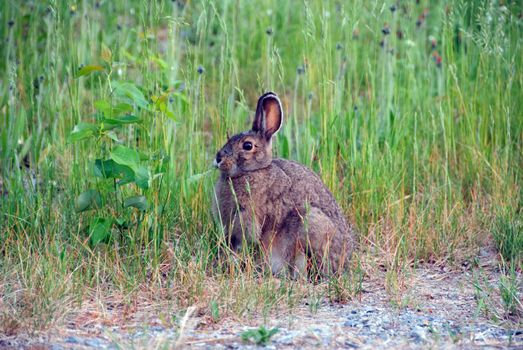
{"points": [[269, 115]]}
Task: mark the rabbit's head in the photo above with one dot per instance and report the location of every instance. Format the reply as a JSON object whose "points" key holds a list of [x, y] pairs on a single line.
{"points": [[252, 150]]}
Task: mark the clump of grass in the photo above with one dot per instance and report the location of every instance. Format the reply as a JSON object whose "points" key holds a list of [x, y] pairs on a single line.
{"points": [[508, 235], [510, 286], [343, 288], [499, 300]]}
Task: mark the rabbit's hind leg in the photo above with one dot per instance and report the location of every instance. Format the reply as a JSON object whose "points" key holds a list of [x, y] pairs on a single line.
{"points": [[286, 251], [322, 241], [276, 253]]}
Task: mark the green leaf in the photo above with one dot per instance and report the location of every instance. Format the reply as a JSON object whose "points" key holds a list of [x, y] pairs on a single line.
{"points": [[129, 90], [259, 336], [138, 202], [89, 199], [112, 135], [104, 168], [100, 230], [82, 131], [126, 156], [120, 221], [110, 169], [88, 69], [111, 123], [121, 108], [142, 177], [102, 106], [110, 111]]}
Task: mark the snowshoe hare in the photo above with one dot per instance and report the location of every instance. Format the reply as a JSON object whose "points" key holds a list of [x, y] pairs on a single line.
{"points": [[279, 204]]}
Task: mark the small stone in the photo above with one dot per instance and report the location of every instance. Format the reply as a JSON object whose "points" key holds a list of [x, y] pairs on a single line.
{"points": [[418, 334], [351, 323], [94, 342], [73, 340]]}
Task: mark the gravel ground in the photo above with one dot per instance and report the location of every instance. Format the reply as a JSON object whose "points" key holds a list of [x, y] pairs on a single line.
{"points": [[439, 311]]}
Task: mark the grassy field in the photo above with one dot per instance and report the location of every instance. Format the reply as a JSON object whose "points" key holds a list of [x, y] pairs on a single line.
{"points": [[111, 113]]}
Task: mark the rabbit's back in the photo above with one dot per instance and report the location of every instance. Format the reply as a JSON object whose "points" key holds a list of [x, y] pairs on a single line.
{"points": [[307, 189], [284, 186]]}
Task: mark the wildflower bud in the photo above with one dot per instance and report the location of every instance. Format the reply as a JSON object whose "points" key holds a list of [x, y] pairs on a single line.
{"points": [[437, 59], [11, 23], [339, 46], [385, 30], [392, 8], [200, 70], [268, 31]]}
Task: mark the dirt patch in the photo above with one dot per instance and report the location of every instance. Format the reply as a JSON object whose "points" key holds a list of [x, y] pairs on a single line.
{"points": [[439, 309]]}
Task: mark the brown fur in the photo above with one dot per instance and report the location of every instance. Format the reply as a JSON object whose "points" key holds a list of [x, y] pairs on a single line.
{"points": [[278, 203]]}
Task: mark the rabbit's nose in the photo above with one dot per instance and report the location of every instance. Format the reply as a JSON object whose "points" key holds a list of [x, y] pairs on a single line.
{"points": [[218, 158]]}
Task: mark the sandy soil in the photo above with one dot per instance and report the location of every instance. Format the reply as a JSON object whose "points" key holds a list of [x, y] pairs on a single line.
{"points": [[440, 308]]}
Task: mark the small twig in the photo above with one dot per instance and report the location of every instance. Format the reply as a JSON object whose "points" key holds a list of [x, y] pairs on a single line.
{"points": [[209, 340]]}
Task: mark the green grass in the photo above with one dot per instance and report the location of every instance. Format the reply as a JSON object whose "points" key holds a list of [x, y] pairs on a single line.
{"points": [[421, 156], [508, 235]]}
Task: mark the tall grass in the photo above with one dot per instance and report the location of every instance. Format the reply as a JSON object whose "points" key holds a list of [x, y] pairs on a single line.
{"points": [[410, 111]]}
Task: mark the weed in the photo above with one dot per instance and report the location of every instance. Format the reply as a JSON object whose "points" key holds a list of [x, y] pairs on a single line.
{"points": [[259, 336], [508, 235], [510, 292]]}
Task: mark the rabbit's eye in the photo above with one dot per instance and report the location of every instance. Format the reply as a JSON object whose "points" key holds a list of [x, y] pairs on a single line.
{"points": [[247, 145]]}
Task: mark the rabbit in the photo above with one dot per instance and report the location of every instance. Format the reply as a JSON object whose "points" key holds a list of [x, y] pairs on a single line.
{"points": [[279, 204]]}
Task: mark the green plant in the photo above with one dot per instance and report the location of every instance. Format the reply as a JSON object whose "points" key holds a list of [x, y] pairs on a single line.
{"points": [[345, 287], [508, 235], [116, 165], [510, 293], [259, 336]]}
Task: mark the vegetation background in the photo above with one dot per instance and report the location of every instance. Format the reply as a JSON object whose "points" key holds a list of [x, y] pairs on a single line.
{"points": [[111, 113]]}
